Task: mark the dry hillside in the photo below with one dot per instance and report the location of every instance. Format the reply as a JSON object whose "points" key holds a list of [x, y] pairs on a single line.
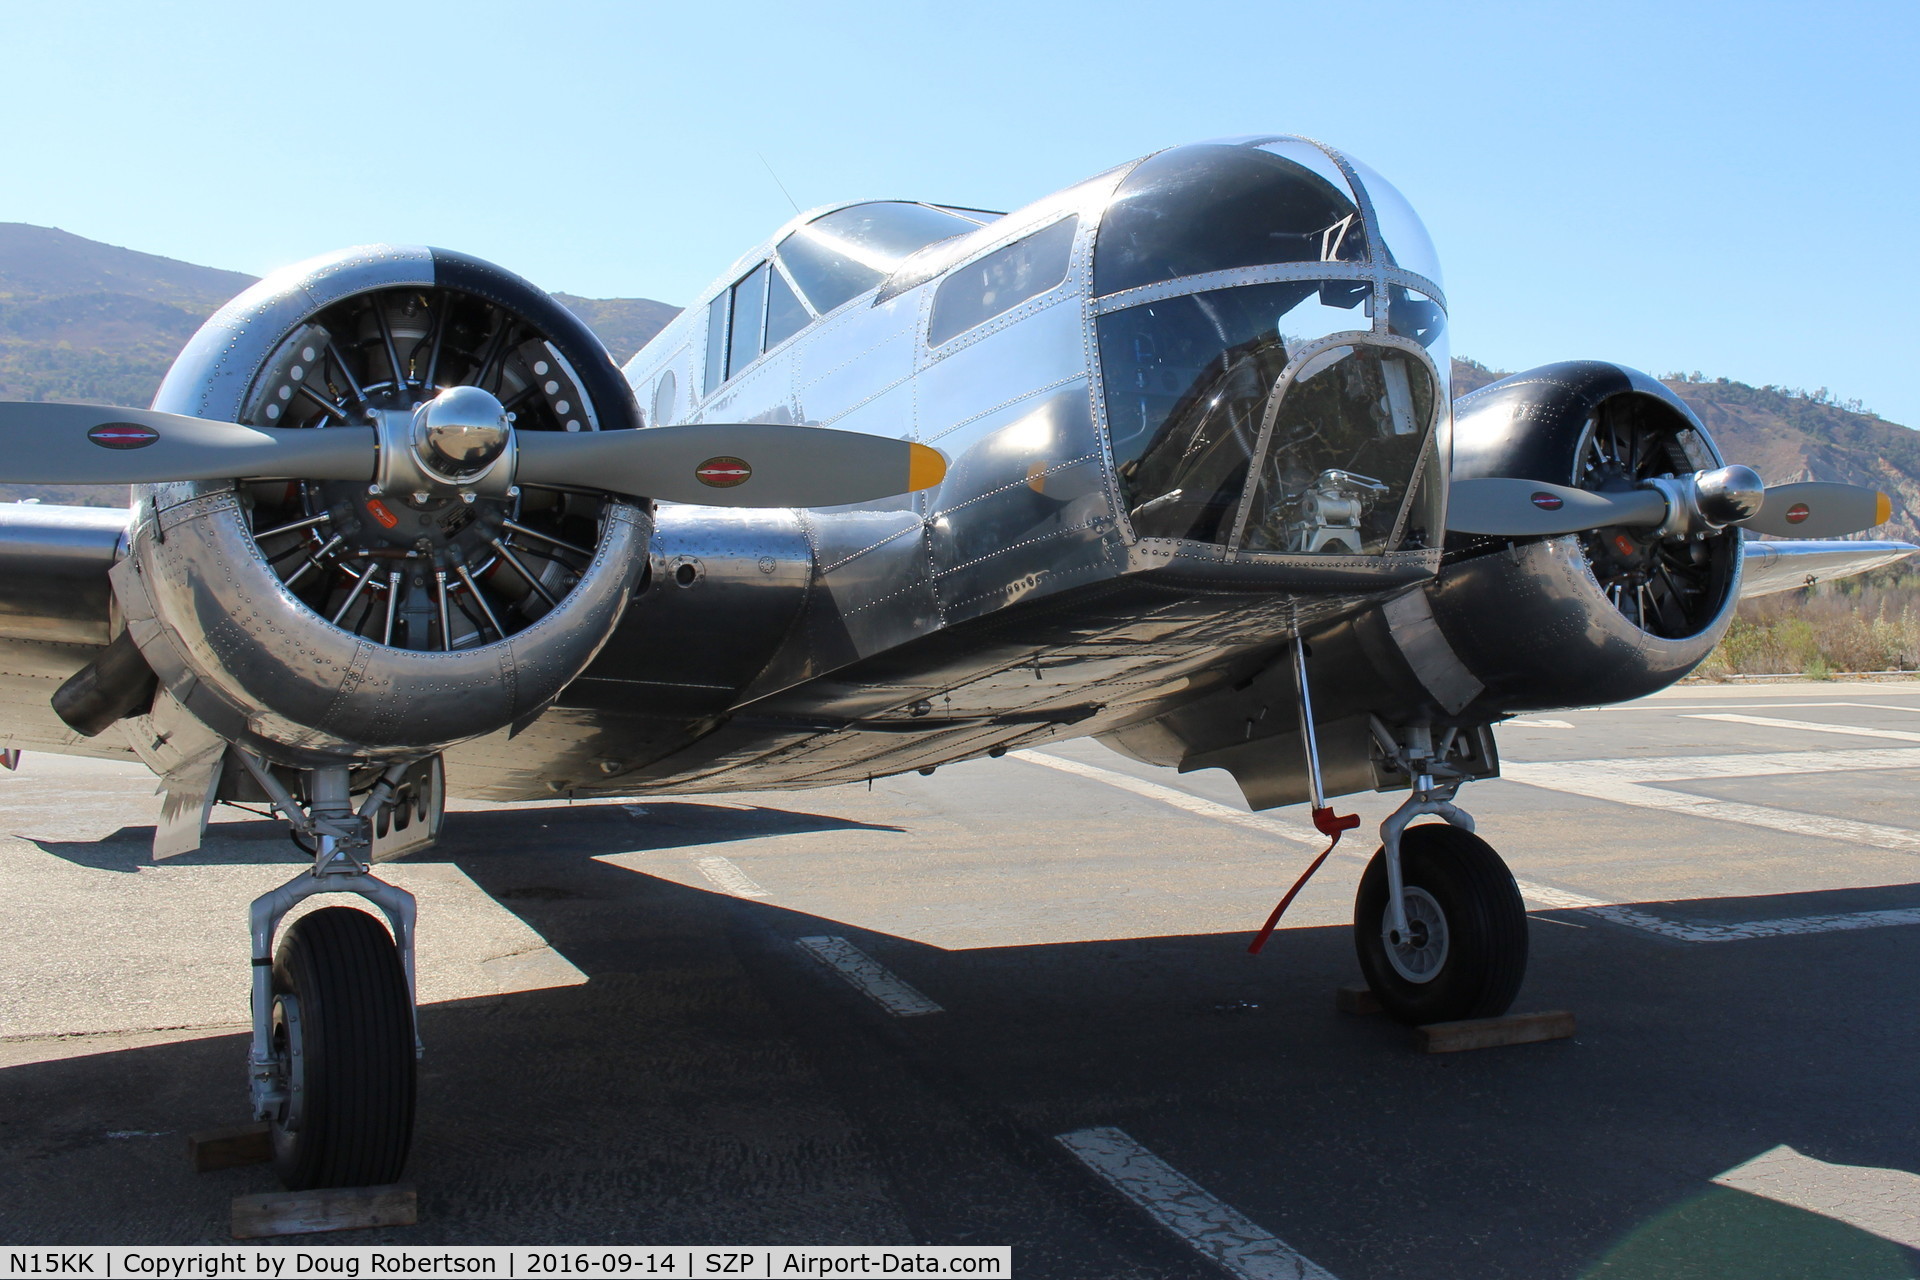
{"points": [[1790, 435], [85, 321]]}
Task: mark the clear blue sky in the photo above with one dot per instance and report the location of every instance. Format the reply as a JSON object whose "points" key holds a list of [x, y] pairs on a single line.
{"points": [[1724, 187]]}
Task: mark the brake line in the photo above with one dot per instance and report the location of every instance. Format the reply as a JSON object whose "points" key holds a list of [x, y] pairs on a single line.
{"points": [[1325, 820]]}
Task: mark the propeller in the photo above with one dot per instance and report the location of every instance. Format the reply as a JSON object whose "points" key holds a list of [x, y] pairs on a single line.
{"points": [[95, 444], [1511, 508], [457, 438]]}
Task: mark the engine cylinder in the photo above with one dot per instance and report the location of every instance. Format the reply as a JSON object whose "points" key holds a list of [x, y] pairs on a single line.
{"points": [[326, 621], [1598, 617]]}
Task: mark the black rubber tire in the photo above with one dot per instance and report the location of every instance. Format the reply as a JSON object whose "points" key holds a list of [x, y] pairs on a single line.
{"points": [[357, 1052], [1486, 957]]}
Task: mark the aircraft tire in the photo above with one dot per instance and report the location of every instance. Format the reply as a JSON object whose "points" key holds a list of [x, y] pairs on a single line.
{"points": [[1475, 971], [343, 1028]]}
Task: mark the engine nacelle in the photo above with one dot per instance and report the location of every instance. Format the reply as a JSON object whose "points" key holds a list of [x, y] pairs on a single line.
{"points": [[317, 622], [1598, 617]]}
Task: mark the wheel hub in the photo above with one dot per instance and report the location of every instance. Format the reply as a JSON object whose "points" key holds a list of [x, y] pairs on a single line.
{"points": [[1421, 954], [289, 1056]]}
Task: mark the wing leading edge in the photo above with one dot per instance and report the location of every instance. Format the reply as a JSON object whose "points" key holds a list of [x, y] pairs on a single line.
{"points": [[1786, 566]]}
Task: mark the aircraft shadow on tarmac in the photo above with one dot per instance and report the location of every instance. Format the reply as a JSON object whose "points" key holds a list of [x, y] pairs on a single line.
{"points": [[711, 1083], [669, 824]]}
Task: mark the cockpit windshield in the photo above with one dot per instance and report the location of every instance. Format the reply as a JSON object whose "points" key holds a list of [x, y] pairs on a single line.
{"points": [[1215, 206], [1191, 412], [845, 253], [1407, 243]]}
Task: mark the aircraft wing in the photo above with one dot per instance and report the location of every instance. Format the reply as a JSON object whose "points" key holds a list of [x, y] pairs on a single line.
{"points": [[56, 615], [1786, 566]]}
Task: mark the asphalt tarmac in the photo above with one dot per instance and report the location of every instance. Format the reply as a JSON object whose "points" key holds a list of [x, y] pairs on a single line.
{"points": [[1043, 1028]]}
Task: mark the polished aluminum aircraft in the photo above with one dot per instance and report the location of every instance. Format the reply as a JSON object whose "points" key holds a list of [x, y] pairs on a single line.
{"points": [[1168, 458]]}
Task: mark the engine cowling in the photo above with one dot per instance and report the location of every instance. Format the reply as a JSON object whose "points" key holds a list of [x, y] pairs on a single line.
{"points": [[317, 622], [1597, 617]]}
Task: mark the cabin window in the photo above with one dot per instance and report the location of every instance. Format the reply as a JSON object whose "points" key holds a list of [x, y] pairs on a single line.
{"points": [[841, 255], [749, 320], [663, 393], [976, 293], [716, 344]]}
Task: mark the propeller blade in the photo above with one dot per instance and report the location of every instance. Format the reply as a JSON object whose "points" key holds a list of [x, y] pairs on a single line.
{"points": [[1503, 507], [733, 464], [101, 444], [1819, 509]]}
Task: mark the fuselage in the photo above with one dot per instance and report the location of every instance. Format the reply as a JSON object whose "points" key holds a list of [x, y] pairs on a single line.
{"points": [[1191, 405]]}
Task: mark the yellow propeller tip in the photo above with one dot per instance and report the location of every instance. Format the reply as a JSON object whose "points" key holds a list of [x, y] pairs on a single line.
{"points": [[926, 467], [1882, 508]]}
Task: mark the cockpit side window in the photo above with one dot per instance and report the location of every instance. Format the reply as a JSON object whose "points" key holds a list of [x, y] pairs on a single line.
{"points": [[749, 319], [759, 312], [843, 254], [1001, 281], [786, 314], [1210, 207]]}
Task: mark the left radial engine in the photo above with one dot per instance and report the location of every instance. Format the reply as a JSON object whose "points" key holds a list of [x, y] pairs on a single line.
{"points": [[320, 621]]}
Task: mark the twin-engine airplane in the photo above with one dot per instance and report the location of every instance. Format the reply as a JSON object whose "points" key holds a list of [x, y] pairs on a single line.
{"points": [[1167, 458]]}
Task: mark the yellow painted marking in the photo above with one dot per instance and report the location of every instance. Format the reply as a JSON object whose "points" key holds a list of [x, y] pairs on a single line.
{"points": [[926, 467]]}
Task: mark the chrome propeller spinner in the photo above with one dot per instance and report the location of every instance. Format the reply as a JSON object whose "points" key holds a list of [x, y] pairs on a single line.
{"points": [[463, 438], [461, 434]]}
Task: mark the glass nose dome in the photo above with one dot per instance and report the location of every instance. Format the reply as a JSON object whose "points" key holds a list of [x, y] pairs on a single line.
{"points": [[1215, 206], [1272, 350]]}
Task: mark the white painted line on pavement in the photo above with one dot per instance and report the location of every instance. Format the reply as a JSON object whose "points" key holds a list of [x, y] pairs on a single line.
{"points": [[1215, 1229], [1537, 724], [1178, 799], [1595, 778], [1882, 1202], [726, 877], [1813, 726], [869, 975], [1753, 764], [1543, 898], [1600, 780]]}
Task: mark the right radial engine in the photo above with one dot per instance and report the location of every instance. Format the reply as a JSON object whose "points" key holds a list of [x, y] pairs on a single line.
{"points": [[319, 622], [1595, 617]]}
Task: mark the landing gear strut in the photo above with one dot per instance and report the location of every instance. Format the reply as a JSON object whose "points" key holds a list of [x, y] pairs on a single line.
{"points": [[1439, 922], [335, 1035]]}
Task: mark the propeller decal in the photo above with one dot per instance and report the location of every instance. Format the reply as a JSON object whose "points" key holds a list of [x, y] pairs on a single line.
{"points": [[723, 472], [1798, 513], [122, 435], [1549, 501]]}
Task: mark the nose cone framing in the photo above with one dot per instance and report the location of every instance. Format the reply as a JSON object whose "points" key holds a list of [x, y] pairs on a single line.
{"points": [[1272, 343]]}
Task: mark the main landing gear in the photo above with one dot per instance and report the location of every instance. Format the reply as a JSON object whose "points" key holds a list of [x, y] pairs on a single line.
{"points": [[335, 1040], [1439, 922]]}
